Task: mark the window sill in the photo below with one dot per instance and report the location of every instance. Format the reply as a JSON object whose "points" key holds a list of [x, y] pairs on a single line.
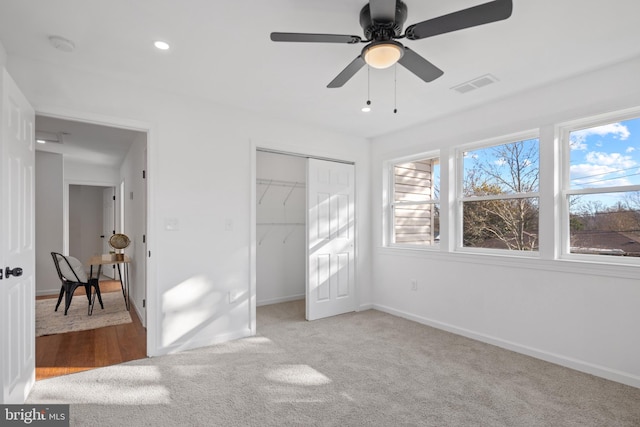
{"points": [[562, 265]]}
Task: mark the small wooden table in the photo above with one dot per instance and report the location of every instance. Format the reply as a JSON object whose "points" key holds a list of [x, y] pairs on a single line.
{"points": [[101, 260]]}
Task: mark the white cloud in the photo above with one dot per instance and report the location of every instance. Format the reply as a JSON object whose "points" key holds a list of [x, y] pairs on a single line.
{"points": [[630, 149], [603, 170], [591, 175], [616, 130], [615, 160]]}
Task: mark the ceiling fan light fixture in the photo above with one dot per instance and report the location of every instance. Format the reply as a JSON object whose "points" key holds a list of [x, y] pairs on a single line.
{"points": [[383, 54]]}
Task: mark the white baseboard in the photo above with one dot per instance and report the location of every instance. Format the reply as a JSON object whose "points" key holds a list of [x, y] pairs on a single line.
{"points": [[280, 299], [47, 292], [193, 344], [140, 314], [364, 307], [558, 359]]}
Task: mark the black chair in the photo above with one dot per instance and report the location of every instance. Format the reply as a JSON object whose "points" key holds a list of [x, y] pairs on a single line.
{"points": [[72, 275]]}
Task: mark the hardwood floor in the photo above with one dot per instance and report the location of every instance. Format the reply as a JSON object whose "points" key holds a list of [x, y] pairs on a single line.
{"points": [[71, 352]]}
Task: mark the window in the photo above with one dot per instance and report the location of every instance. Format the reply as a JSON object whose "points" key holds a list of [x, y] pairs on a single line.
{"points": [[414, 203], [602, 188], [499, 196]]}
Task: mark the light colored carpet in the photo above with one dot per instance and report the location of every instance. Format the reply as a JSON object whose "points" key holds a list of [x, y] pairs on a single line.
{"points": [[49, 322], [359, 369]]}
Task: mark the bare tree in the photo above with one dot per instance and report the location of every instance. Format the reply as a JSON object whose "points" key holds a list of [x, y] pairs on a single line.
{"points": [[511, 169]]}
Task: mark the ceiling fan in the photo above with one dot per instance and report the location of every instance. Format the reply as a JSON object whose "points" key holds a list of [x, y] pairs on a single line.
{"points": [[382, 22]]}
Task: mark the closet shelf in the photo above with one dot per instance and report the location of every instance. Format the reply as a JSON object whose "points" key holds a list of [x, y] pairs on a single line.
{"points": [[277, 183]]}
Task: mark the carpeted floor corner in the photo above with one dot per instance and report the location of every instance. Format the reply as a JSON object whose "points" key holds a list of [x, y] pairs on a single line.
{"points": [[358, 369]]}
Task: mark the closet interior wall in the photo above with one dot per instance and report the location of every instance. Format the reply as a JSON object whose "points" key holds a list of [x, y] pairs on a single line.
{"points": [[281, 227]]}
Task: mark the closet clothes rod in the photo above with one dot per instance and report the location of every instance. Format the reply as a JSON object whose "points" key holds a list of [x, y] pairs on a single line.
{"points": [[281, 223], [279, 183]]}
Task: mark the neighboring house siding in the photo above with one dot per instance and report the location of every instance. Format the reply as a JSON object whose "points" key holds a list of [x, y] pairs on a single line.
{"points": [[414, 224]]}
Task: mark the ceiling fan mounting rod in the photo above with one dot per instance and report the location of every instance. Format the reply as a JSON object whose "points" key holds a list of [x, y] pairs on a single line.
{"points": [[383, 29]]}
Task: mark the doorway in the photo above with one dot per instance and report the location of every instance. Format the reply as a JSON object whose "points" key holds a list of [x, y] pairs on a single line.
{"points": [[92, 221], [304, 234], [102, 168]]}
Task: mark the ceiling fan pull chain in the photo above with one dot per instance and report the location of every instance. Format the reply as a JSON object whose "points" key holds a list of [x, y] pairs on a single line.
{"points": [[395, 88], [368, 85]]}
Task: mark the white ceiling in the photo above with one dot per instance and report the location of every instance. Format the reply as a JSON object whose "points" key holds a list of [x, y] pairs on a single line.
{"points": [[222, 51], [86, 143]]}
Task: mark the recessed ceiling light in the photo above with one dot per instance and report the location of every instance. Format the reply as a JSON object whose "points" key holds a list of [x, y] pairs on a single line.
{"points": [[41, 141], [159, 44]]}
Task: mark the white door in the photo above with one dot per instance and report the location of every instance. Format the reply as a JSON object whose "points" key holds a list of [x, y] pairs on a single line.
{"points": [[108, 225], [330, 227], [17, 219]]}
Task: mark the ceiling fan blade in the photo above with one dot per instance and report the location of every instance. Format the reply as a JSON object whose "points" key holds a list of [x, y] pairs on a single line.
{"points": [[314, 38], [478, 15], [347, 73], [419, 66], [382, 10]]}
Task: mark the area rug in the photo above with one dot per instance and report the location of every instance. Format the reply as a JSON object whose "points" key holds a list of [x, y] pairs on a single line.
{"points": [[49, 322]]}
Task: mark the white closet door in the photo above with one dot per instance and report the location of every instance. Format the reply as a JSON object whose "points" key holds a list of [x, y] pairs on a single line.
{"points": [[331, 239]]}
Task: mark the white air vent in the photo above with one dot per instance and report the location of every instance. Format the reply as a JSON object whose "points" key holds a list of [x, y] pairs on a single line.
{"points": [[476, 83], [464, 88]]}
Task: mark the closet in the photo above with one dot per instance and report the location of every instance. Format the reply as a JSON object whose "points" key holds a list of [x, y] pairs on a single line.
{"points": [[280, 227]]}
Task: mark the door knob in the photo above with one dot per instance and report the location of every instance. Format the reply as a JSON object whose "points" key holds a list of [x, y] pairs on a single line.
{"points": [[12, 272]]}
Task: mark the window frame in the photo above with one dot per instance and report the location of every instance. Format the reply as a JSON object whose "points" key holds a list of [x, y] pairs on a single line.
{"points": [[563, 132], [461, 199], [390, 203]]}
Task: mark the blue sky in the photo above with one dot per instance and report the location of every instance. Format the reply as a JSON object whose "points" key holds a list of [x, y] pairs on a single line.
{"points": [[606, 156], [489, 158]]}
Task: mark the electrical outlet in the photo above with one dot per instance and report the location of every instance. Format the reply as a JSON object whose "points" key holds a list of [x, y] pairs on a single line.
{"points": [[414, 285]]}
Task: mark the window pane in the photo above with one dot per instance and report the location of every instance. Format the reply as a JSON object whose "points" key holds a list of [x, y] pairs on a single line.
{"points": [[417, 224], [501, 224], [503, 169], [605, 156], [416, 181], [605, 224]]}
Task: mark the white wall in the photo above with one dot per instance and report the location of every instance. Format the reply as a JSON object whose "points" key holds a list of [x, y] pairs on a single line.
{"points": [[49, 209], [3, 55], [85, 222], [200, 177], [89, 174], [579, 315], [135, 228], [280, 261], [84, 174]]}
